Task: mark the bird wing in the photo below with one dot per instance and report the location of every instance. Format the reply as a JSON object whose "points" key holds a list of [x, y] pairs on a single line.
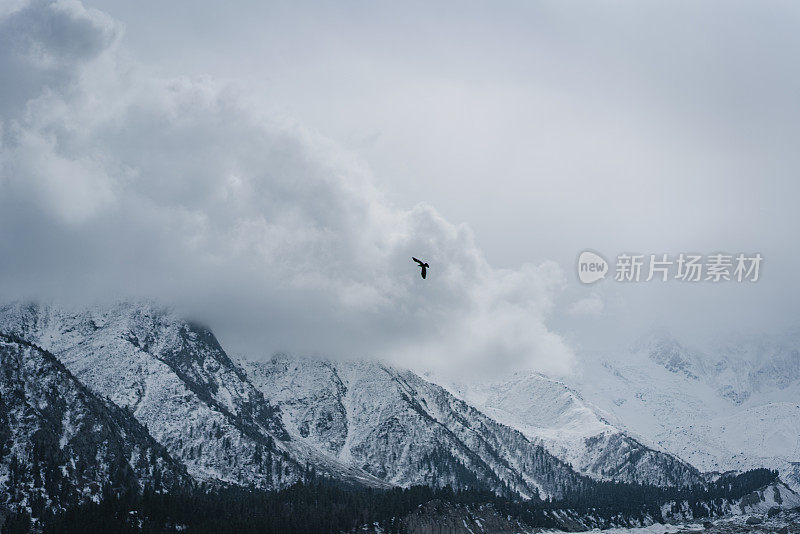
{"points": [[416, 260], [423, 271]]}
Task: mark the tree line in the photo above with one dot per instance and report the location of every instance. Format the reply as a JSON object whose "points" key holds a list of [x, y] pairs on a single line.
{"points": [[321, 505]]}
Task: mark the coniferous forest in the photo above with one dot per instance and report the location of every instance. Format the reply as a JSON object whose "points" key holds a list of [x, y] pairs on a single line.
{"points": [[322, 505]]}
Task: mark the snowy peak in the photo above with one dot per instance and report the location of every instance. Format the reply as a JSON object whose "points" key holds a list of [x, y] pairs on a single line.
{"points": [[190, 350], [540, 404], [736, 368], [272, 423]]}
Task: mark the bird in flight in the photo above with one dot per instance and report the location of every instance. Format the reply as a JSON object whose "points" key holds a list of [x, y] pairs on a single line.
{"points": [[421, 264]]}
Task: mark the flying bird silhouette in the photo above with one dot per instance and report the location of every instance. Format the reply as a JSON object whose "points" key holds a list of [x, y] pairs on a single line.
{"points": [[421, 264]]}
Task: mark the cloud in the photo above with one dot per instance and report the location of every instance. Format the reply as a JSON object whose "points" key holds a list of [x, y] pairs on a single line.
{"points": [[592, 305], [118, 184]]}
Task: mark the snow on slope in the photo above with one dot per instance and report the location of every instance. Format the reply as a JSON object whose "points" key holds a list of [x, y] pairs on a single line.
{"points": [[60, 444], [775, 495], [553, 414], [725, 409], [403, 429]]}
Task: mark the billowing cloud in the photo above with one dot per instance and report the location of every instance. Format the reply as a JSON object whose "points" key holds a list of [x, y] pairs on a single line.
{"points": [[117, 184]]}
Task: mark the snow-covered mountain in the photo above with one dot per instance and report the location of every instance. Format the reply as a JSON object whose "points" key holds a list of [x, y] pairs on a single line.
{"points": [[403, 429], [177, 381], [772, 506], [738, 369], [555, 415], [735, 406], [172, 392], [269, 424], [60, 444], [774, 496]]}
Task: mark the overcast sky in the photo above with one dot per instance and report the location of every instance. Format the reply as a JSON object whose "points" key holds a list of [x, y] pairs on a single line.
{"points": [[273, 166]]}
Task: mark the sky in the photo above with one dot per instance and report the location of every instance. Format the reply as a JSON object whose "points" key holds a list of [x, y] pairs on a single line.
{"points": [[272, 167]]}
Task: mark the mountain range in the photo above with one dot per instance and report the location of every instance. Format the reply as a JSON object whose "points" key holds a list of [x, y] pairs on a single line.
{"points": [[159, 402]]}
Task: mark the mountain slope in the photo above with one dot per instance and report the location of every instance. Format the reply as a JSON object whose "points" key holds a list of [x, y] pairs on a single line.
{"points": [[555, 415], [405, 430], [61, 445], [734, 407]]}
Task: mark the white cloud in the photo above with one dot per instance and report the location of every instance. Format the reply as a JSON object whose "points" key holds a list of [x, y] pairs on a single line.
{"points": [[591, 305], [114, 183]]}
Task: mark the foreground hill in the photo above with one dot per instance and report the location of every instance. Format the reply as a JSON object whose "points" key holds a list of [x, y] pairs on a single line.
{"points": [[62, 445]]}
